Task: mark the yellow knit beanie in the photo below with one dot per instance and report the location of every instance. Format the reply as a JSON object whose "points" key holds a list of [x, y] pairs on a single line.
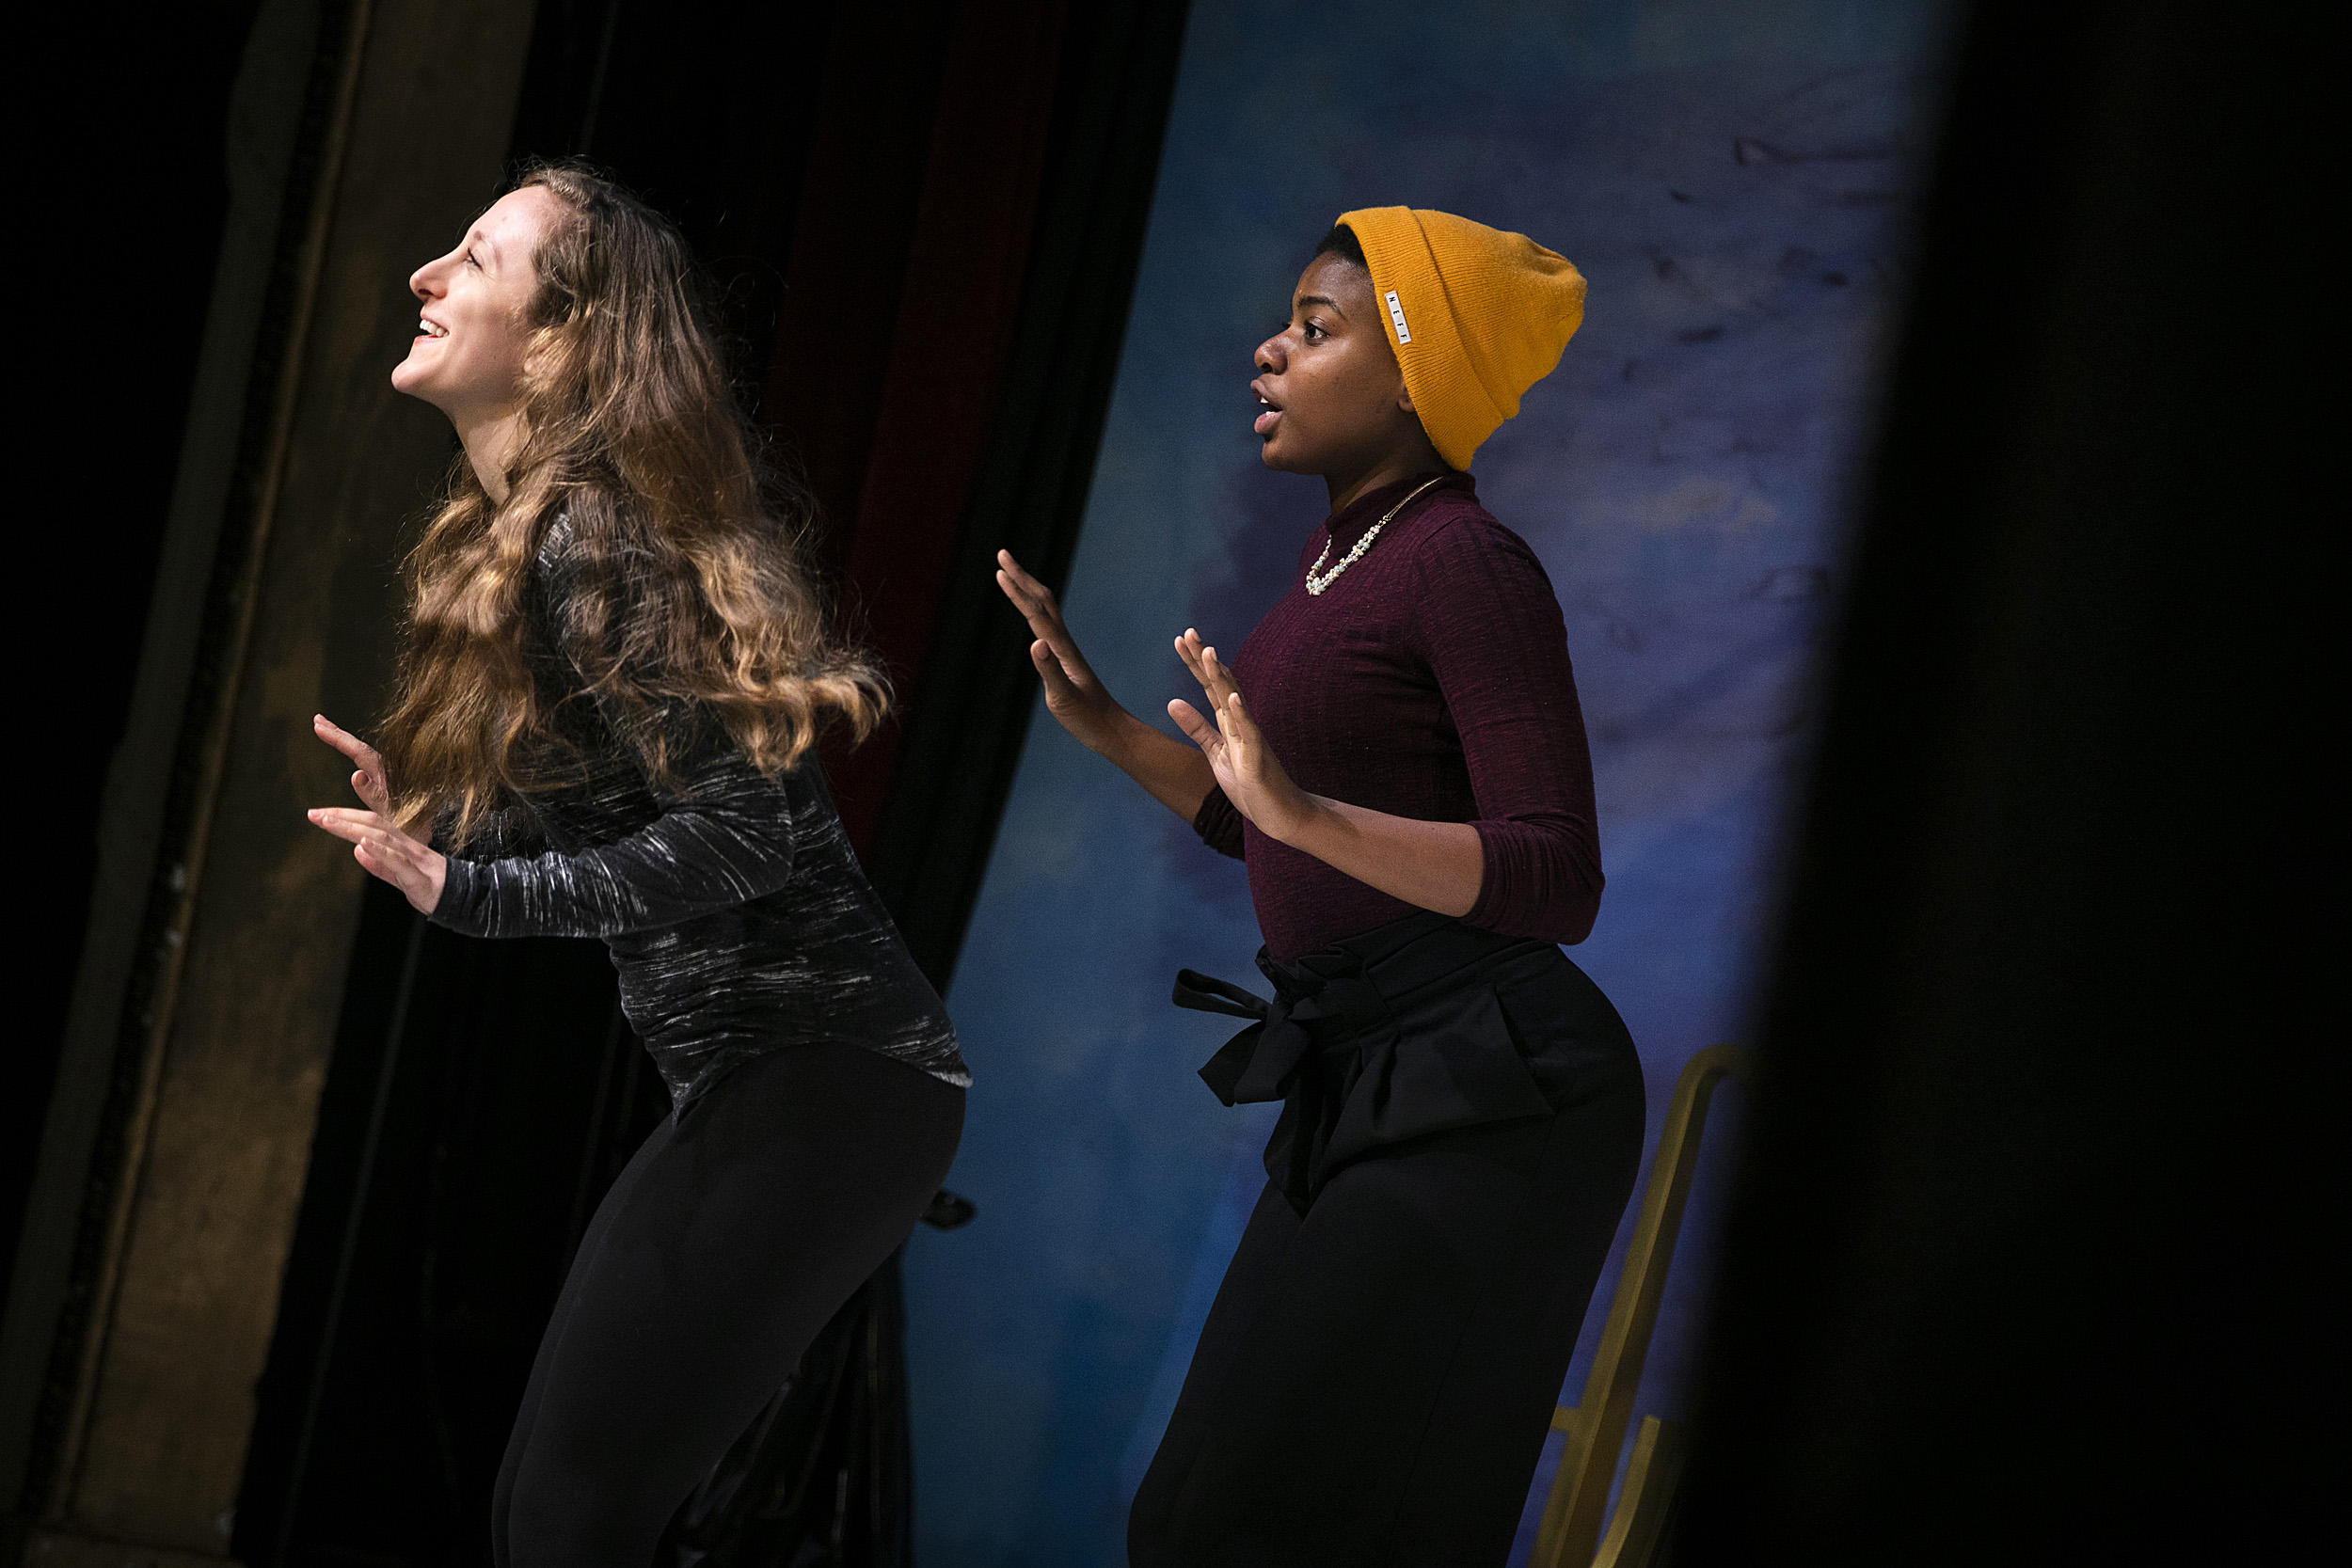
{"points": [[1477, 316]]}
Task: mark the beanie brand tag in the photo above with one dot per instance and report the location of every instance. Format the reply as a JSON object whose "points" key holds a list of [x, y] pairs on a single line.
{"points": [[1396, 314]]}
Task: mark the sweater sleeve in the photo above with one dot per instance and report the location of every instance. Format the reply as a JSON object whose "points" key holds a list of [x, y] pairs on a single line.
{"points": [[721, 832], [724, 837], [1497, 644], [505, 832], [1218, 823]]}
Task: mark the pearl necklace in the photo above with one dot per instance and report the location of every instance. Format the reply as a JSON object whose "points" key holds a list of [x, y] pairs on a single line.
{"points": [[1318, 584]]}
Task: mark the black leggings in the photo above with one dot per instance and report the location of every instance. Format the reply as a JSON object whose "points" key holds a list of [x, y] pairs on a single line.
{"points": [[732, 1237], [1374, 1382]]}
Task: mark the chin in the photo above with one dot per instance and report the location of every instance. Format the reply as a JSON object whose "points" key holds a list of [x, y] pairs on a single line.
{"points": [[1271, 454], [411, 378]]}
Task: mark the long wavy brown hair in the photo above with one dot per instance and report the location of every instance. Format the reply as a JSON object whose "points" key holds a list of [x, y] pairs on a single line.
{"points": [[700, 601]]}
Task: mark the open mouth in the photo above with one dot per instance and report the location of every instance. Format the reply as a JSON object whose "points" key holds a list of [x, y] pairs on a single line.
{"points": [[430, 329], [1269, 414]]}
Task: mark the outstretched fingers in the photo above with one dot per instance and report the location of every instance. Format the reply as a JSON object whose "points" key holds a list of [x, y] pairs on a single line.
{"points": [[1198, 730], [1220, 684], [1035, 601], [1053, 671], [344, 740], [355, 827], [1032, 598], [384, 851], [1239, 738], [1216, 680], [368, 782], [1234, 720]]}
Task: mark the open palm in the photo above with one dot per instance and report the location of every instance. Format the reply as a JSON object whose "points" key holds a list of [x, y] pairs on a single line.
{"points": [[1247, 769]]}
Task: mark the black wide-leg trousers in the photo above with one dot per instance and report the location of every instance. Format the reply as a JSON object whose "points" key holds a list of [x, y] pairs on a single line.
{"points": [[1375, 1379], [732, 1236]]}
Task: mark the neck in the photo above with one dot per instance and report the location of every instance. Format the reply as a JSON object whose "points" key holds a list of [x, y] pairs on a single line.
{"points": [[491, 439], [1416, 461]]}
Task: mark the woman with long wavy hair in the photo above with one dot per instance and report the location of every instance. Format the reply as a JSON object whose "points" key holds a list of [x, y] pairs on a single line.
{"points": [[617, 664]]}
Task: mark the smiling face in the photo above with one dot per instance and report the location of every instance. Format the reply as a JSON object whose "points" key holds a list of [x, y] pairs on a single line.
{"points": [[1332, 399], [472, 330]]}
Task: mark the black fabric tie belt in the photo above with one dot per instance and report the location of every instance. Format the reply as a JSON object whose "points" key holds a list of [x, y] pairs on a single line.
{"points": [[1379, 1039]]}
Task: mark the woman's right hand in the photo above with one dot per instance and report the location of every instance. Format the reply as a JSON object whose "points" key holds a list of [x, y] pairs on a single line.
{"points": [[368, 782], [1072, 695]]}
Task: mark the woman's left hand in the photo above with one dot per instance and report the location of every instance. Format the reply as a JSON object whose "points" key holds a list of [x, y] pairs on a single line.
{"points": [[408, 863], [1246, 767]]}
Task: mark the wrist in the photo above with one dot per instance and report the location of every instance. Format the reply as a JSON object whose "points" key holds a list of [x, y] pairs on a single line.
{"points": [[1114, 738], [1303, 822], [439, 872]]}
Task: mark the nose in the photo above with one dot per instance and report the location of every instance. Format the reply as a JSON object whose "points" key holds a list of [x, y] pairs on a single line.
{"points": [[425, 283], [1272, 354]]}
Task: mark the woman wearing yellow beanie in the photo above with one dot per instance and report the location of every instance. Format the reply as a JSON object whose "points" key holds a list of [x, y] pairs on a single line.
{"points": [[1410, 785]]}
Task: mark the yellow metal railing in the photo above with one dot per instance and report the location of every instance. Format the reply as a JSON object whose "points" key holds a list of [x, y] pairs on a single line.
{"points": [[1570, 1535]]}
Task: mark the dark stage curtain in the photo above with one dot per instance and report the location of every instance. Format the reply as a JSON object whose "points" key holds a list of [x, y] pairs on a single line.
{"points": [[180, 66], [2027, 1261]]}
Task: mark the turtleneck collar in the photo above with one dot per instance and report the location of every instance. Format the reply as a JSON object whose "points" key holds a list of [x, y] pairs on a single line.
{"points": [[1367, 509]]}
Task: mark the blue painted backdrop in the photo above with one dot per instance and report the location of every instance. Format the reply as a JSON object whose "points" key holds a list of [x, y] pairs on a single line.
{"points": [[1731, 176]]}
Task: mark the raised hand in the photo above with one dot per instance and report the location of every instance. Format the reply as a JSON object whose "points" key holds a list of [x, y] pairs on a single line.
{"points": [[381, 848], [1073, 695], [1246, 767], [368, 782]]}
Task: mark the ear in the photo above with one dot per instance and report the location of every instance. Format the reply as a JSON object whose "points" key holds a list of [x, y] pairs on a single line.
{"points": [[1405, 398]]}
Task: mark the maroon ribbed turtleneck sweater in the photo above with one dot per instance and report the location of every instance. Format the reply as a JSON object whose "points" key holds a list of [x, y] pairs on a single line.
{"points": [[1431, 680]]}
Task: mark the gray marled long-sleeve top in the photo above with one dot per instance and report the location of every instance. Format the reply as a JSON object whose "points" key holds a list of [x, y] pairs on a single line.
{"points": [[734, 907]]}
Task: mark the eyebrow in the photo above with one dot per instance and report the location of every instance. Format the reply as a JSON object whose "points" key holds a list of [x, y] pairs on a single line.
{"points": [[482, 237], [1319, 299]]}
